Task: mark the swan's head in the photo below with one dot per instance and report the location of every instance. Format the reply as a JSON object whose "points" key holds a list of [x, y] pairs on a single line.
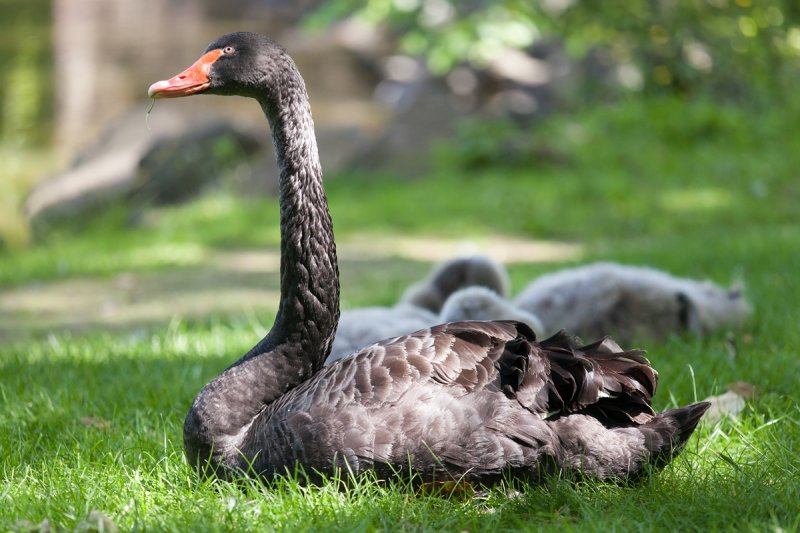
{"points": [[241, 63]]}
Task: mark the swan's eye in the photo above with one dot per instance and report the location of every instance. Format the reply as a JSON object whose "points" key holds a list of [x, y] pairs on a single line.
{"points": [[228, 50]]}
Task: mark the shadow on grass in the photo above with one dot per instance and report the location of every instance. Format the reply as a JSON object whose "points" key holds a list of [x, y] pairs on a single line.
{"points": [[236, 284]]}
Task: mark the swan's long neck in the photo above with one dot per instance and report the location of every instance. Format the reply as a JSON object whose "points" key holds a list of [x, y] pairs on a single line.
{"points": [[308, 313], [309, 306]]}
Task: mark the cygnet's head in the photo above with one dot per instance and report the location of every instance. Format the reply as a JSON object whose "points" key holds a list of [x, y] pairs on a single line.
{"points": [[455, 274], [705, 306]]}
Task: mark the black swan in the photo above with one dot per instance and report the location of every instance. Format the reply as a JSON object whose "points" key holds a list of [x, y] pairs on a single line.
{"points": [[469, 400]]}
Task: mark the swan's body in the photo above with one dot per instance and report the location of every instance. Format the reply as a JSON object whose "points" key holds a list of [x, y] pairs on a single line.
{"points": [[630, 302], [473, 399]]}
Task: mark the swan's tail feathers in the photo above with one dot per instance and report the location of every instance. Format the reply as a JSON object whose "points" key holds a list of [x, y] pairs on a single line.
{"points": [[601, 379], [666, 434]]}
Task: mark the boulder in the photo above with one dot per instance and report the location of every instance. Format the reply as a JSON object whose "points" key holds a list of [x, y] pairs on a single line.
{"points": [[128, 162]]}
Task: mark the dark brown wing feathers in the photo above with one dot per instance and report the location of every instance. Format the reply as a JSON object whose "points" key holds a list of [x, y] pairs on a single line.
{"points": [[461, 371], [553, 377], [558, 376]]}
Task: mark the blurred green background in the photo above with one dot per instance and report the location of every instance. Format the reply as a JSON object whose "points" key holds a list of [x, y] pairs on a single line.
{"points": [[68, 68]]}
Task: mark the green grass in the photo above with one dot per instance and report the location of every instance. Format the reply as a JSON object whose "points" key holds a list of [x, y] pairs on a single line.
{"points": [[93, 421]]}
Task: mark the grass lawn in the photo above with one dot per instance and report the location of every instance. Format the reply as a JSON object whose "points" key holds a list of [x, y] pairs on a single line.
{"points": [[91, 420]]}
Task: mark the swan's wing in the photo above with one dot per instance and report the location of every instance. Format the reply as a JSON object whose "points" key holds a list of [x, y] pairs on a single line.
{"points": [[474, 394], [551, 378]]}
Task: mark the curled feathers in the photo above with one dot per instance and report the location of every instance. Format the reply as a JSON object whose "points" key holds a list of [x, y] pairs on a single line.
{"points": [[558, 377], [551, 378]]}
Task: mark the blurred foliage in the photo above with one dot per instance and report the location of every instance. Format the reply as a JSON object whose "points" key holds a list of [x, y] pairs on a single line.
{"points": [[733, 48], [634, 125], [723, 47], [26, 88], [26, 108]]}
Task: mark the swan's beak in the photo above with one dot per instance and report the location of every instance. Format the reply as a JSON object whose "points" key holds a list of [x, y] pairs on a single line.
{"points": [[193, 80]]}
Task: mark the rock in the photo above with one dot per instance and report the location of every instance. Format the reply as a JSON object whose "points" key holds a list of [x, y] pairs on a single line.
{"points": [[171, 162], [176, 168]]}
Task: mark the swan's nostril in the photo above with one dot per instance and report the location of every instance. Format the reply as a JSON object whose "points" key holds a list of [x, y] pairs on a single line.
{"points": [[181, 77]]}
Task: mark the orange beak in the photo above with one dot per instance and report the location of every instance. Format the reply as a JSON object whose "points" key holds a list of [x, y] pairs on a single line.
{"points": [[193, 80]]}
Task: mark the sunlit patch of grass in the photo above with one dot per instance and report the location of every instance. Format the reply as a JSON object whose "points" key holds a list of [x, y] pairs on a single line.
{"points": [[173, 254], [696, 199]]}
